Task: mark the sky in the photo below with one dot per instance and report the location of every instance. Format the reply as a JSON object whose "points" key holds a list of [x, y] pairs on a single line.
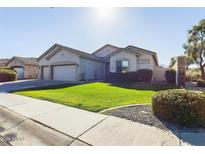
{"points": [[29, 32]]}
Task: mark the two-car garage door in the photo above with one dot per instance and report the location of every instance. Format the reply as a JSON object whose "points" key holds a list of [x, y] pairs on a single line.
{"points": [[61, 72], [64, 72]]}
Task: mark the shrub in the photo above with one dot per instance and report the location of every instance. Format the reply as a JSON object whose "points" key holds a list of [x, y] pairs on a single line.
{"points": [[201, 83], [7, 75], [7, 68], [180, 106], [123, 77], [193, 75], [144, 75], [170, 76]]}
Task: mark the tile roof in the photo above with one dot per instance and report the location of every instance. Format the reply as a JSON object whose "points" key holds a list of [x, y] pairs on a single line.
{"points": [[2, 61], [25, 60]]}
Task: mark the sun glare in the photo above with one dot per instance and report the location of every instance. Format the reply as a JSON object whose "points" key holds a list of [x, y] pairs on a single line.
{"points": [[105, 13]]}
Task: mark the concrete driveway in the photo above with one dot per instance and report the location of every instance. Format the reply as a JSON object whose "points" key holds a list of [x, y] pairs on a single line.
{"points": [[26, 84]]}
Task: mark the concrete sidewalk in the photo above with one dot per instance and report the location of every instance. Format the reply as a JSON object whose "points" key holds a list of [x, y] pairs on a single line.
{"points": [[28, 121]]}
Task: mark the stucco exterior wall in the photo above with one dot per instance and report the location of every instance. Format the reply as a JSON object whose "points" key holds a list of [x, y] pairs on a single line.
{"points": [[160, 74], [148, 65], [91, 70], [61, 57], [31, 72], [132, 61], [105, 51]]}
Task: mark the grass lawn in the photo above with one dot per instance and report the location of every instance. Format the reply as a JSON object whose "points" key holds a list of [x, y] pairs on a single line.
{"points": [[92, 96]]}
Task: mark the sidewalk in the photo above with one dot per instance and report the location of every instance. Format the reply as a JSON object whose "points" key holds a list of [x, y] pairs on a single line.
{"points": [[30, 121]]}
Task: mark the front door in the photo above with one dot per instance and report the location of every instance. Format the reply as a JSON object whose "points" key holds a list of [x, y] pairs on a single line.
{"points": [[119, 66]]}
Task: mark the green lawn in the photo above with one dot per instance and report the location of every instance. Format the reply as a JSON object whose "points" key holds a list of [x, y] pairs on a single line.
{"points": [[92, 96]]}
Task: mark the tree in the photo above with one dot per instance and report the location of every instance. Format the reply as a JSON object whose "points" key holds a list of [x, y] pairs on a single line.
{"points": [[191, 56], [173, 61], [195, 46]]}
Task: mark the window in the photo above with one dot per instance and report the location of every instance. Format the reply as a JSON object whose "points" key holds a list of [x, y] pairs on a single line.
{"points": [[122, 66], [143, 61]]}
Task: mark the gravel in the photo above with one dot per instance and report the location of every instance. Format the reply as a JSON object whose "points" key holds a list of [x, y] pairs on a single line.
{"points": [[140, 113]]}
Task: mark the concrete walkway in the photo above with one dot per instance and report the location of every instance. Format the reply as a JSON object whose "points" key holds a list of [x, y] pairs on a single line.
{"points": [[28, 121]]}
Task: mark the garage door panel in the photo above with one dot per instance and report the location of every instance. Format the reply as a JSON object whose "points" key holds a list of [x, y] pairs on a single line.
{"points": [[45, 73], [64, 72], [19, 72]]}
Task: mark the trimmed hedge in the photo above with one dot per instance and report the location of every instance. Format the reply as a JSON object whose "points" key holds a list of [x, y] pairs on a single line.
{"points": [[170, 76], [144, 75], [183, 107], [123, 77], [201, 83], [7, 75]]}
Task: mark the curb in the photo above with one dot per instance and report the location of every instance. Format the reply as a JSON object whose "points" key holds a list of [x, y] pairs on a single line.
{"points": [[118, 107], [23, 131]]}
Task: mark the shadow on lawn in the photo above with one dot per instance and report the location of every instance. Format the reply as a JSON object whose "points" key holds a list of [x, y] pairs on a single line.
{"points": [[53, 87], [144, 86]]}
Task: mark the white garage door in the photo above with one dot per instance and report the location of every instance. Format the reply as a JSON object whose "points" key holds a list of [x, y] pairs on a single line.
{"points": [[19, 72], [45, 73], [65, 72]]}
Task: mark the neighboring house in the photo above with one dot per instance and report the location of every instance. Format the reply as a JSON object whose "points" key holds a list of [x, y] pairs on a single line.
{"points": [[26, 68], [63, 63], [3, 62]]}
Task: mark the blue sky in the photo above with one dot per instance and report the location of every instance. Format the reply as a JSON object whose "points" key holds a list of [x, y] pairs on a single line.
{"points": [[31, 31]]}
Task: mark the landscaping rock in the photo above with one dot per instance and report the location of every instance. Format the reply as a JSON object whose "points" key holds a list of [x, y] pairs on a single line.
{"points": [[139, 113]]}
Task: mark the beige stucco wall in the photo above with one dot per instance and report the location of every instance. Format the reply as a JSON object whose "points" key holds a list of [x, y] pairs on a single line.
{"points": [[160, 74], [90, 70], [61, 57], [30, 71], [132, 60], [105, 51], [86, 66], [146, 66]]}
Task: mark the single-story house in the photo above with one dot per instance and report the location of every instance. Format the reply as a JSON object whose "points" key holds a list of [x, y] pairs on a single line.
{"points": [[3, 62], [63, 63], [26, 68]]}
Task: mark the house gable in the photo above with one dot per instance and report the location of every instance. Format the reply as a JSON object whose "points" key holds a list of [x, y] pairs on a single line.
{"points": [[131, 58], [15, 62], [59, 55], [141, 50], [135, 60], [105, 50]]}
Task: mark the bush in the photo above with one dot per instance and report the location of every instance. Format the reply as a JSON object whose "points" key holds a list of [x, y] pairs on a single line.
{"points": [[123, 77], [7, 75], [170, 76], [144, 75], [7, 68], [201, 83], [180, 106], [193, 75]]}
